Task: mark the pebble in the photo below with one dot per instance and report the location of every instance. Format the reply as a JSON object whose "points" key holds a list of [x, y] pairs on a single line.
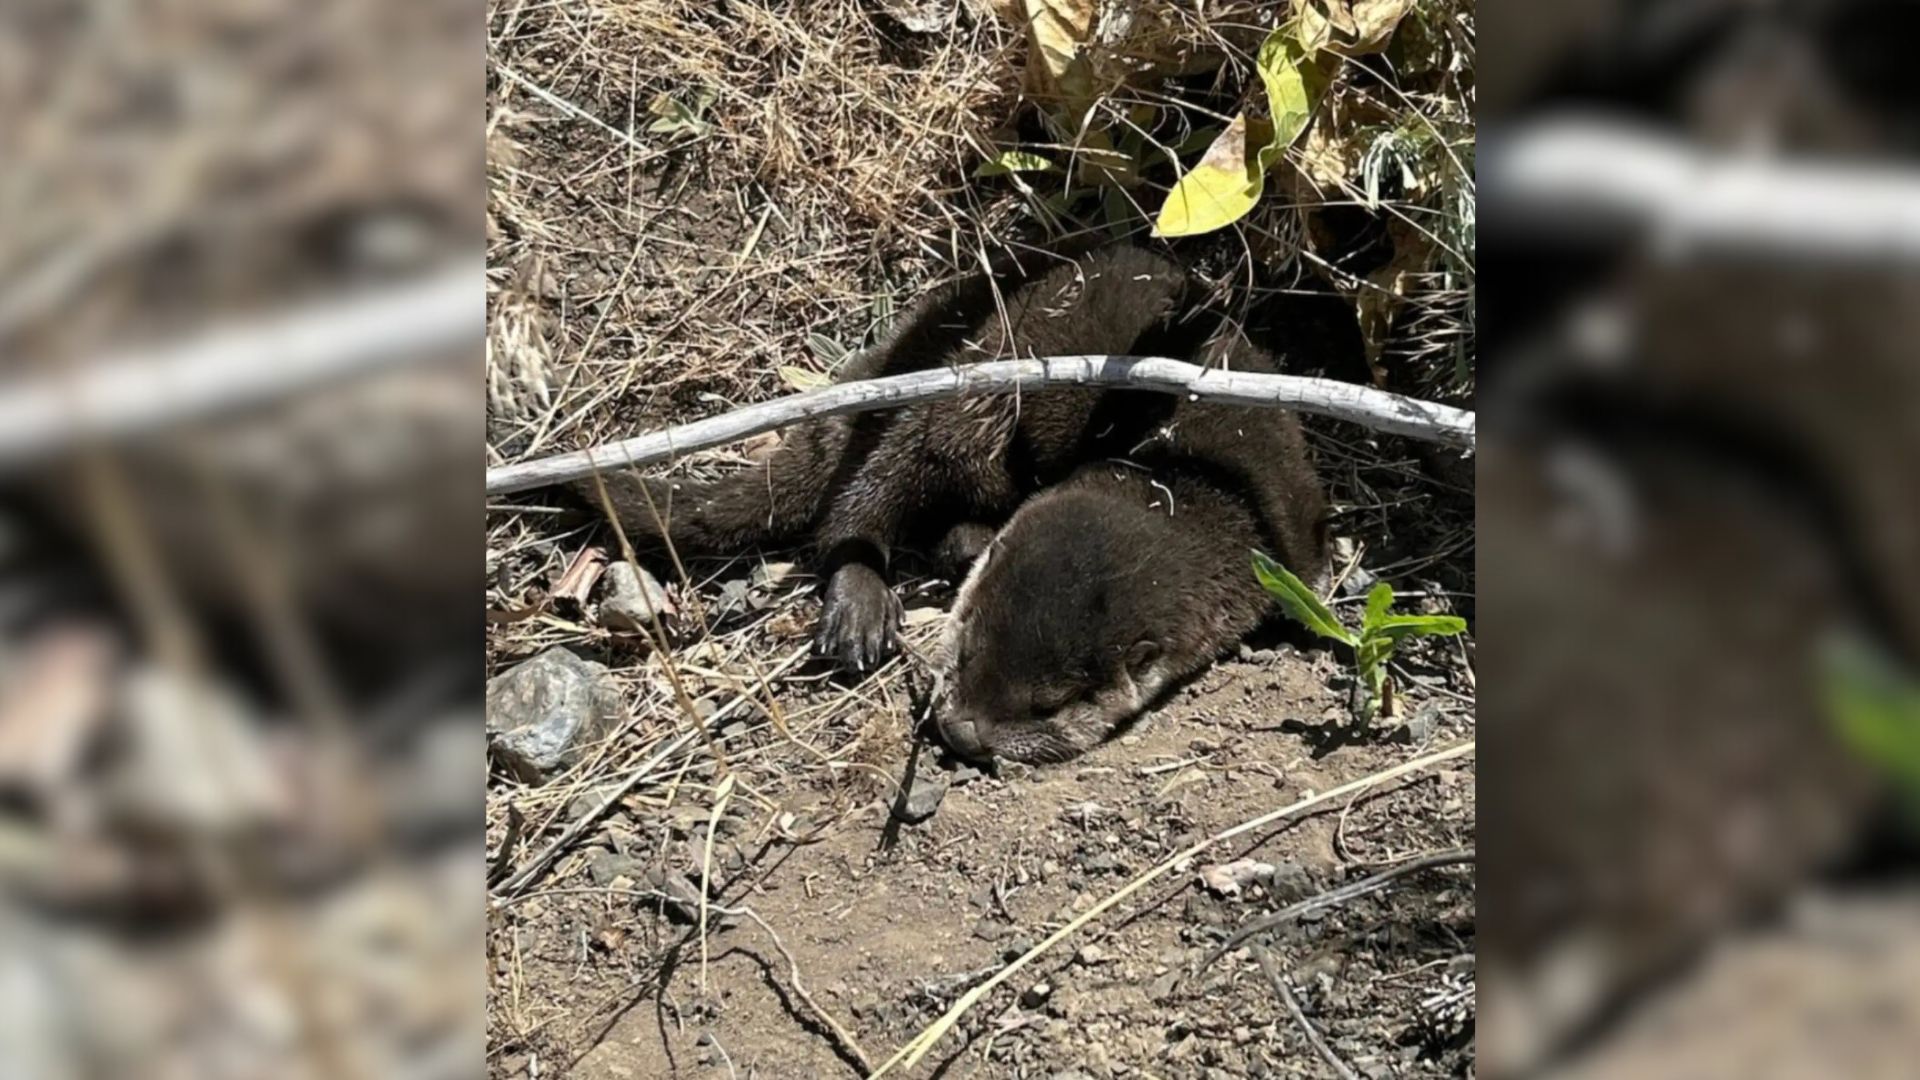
{"points": [[1090, 954], [631, 598], [1036, 995], [922, 798], [544, 711]]}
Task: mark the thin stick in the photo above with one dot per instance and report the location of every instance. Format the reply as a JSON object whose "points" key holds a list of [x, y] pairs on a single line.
{"points": [[706, 869], [240, 365], [1351, 891], [917, 1048], [534, 866], [1566, 174], [1332, 1059], [841, 1034], [1364, 405]]}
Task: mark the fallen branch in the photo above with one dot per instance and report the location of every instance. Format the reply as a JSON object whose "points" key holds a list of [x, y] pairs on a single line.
{"points": [[910, 1054], [1364, 405], [240, 365], [1583, 174]]}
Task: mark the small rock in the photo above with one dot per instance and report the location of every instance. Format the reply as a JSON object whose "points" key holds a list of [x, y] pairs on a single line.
{"points": [[631, 598], [990, 930], [196, 759], [607, 866], [1036, 995], [1091, 954], [1228, 879], [1289, 881], [680, 898], [922, 798], [963, 773], [1357, 583], [1251, 655], [1421, 725], [544, 711]]}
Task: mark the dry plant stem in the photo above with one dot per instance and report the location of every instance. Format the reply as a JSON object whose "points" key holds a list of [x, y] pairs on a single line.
{"points": [[538, 864], [917, 1048], [706, 869], [1350, 891], [840, 1034], [241, 365], [1341, 1068], [1364, 405]]}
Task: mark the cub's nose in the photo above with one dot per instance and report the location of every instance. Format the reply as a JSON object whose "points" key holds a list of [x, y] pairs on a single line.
{"points": [[967, 736]]}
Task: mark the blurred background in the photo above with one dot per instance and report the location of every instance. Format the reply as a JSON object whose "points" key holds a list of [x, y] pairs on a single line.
{"points": [[1698, 495], [241, 316]]}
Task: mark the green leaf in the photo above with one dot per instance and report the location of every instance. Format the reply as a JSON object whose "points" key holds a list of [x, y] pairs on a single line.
{"points": [[1294, 83], [827, 350], [1014, 161], [1379, 602], [1401, 627], [1299, 600], [1197, 140], [1876, 706], [1220, 188]]}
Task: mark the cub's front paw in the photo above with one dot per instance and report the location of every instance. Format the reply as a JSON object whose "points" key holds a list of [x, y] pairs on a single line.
{"points": [[859, 620]]}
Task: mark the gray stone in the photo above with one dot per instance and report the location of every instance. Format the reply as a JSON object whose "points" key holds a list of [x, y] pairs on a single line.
{"points": [[1289, 882], [1358, 582], [543, 712], [923, 797], [631, 598], [195, 759], [1036, 995], [607, 866]]}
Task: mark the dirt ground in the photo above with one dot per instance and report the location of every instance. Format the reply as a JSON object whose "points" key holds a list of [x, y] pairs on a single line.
{"points": [[888, 924]]}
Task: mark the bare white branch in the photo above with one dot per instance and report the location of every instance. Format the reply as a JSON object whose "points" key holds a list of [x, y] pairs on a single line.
{"points": [[1571, 174], [1364, 405], [240, 365]]}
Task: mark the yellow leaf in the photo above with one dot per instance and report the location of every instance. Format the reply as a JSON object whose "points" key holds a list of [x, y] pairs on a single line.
{"points": [[1060, 30], [1294, 83], [1314, 28], [1340, 14], [1374, 22], [801, 379], [1219, 189]]}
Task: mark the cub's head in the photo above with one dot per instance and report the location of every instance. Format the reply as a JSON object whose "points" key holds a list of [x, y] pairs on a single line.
{"points": [[1066, 628]]}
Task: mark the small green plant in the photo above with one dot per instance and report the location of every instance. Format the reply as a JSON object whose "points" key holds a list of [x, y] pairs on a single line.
{"points": [[1876, 707], [1381, 631], [682, 120]]}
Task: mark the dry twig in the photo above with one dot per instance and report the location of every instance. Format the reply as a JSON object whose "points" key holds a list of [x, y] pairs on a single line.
{"points": [[1376, 409]]}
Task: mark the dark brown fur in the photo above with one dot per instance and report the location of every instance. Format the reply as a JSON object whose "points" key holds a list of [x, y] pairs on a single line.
{"points": [[1126, 578], [1135, 567]]}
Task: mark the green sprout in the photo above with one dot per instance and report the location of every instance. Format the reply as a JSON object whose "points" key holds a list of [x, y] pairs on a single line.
{"points": [[1381, 631]]}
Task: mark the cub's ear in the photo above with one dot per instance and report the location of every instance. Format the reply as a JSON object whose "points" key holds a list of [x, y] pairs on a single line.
{"points": [[1140, 657]]}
